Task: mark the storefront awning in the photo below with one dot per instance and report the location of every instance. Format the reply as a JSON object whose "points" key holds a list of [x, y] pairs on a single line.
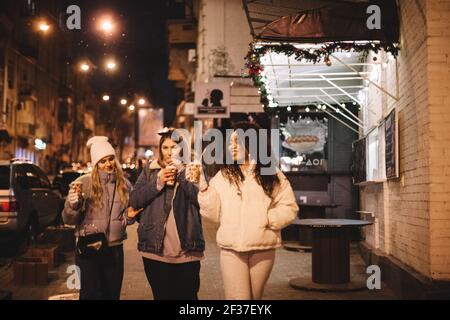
{"points": [[295, 83], [315, 52], [318, 21]]}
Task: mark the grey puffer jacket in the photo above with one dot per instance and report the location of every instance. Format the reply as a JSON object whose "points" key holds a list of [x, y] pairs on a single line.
{"points": [[89, 219]]}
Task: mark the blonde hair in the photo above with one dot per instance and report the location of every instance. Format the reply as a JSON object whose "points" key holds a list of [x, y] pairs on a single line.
{"points": [[97, 190]]}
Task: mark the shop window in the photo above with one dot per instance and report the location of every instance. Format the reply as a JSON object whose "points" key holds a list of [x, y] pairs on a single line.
{"points": [[304, 145], [375, 155], [375, 163]]}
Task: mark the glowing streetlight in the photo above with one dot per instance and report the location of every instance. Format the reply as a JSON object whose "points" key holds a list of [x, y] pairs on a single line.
{"points": [[123, 102], [131, 108], [111, 64], [106, 25], [84, 67], [44, 26], [105, 97], [141, 101]]}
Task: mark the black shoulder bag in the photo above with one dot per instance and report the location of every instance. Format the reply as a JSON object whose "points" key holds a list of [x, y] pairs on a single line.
{"points": [[92, 244]]}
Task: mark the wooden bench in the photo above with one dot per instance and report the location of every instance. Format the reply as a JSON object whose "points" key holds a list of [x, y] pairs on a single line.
{"points": [[46, 252], [30, 271]]}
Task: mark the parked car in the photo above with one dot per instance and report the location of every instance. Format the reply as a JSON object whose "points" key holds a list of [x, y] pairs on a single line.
{"points": [[131, 174], [62, 181], [28, 203]]}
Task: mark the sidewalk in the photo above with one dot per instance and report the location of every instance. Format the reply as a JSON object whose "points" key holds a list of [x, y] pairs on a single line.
{"points": [[288, 265]]}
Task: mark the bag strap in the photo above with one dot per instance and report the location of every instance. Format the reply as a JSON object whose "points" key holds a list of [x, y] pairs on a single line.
{"points": [[110, 210]]}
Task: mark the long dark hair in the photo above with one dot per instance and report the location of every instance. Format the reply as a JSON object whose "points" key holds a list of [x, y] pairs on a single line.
{"points": [[233, 171]]}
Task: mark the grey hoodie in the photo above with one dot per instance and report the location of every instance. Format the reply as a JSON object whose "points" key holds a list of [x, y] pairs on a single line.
{"points": [[89, 219]]}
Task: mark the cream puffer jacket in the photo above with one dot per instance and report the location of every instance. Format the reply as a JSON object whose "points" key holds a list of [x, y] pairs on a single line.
{"points": [[249, 220]]}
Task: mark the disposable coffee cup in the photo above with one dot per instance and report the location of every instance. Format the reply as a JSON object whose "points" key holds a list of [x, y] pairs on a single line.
{"points": [[77, 186], [193, 171], [173, 169]]}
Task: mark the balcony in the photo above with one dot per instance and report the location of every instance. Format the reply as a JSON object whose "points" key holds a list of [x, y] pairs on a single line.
{"points": [[182, 32], [27, 91]]}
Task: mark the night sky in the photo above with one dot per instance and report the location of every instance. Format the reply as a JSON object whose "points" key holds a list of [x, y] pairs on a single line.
{"points": [[139, 45]]}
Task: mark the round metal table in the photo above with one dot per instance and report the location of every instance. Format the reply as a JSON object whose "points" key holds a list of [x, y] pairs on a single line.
{"points": [[330, 256], [304, 234]]}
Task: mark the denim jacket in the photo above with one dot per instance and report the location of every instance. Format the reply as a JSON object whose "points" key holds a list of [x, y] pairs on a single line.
{"points": [[157, 205]]}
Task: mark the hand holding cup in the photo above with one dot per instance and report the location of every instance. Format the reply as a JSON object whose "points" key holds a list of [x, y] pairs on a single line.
{"points": [[75, 194], [193, 172], [167, 175]]}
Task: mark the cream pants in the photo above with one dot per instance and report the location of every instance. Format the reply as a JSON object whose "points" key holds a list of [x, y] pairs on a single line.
{"points": [[245, 273]]}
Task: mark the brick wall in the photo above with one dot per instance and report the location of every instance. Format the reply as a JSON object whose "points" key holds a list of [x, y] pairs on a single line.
{"points": [[401, 206], [438, 50], [413, 212]]}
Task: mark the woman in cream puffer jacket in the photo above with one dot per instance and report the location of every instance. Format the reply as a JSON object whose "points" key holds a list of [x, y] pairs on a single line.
{"points": [[249, 220], [251, 211]]}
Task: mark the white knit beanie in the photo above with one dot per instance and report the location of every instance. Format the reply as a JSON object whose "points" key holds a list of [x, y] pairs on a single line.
{"points": [[100, 148]]}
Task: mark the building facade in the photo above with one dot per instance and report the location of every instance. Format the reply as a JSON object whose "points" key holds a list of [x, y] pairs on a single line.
{"points": [[47, 106], [411, 233]]}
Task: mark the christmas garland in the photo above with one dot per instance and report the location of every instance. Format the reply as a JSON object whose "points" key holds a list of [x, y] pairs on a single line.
{"points": [[255, 67]]}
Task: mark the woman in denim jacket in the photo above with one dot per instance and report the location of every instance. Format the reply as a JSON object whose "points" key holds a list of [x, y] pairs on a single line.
{"points": [[170, 230]]}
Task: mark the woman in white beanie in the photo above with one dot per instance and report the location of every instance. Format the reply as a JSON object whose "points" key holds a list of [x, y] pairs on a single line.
{"points": [[96, 205]]}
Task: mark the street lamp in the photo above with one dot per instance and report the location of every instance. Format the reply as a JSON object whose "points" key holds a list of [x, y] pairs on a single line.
{"points": [[43, 26], [131, 108], [105, 97], [141, 101], [106, 25], [111, 65], [84, 67], [123, 102]]}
